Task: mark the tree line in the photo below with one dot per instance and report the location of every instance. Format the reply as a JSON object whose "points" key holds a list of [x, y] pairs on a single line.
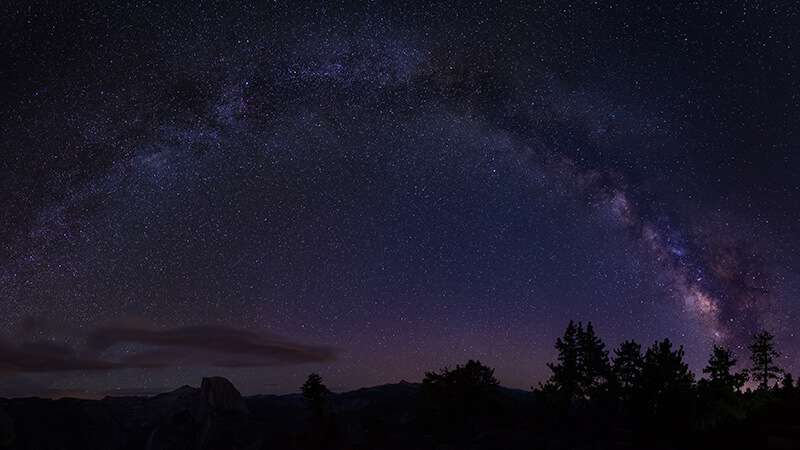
{"points": [[642, 389], [655, 385], [584, 369]]}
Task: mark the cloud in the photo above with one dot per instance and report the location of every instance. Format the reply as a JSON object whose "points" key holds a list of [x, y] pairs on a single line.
{"points": [[223, 346], [201, 345], [45, 356]]}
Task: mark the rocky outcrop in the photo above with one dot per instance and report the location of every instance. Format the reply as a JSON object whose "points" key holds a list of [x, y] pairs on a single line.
{"points": [[214, 418], [221, 395]]}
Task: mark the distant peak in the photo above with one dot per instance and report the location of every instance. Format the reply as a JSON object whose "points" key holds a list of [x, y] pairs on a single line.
{"points": [[221, 394]]}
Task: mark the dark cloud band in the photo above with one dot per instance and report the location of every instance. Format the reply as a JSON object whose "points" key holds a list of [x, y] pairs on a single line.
{"points": [[203, 345]]}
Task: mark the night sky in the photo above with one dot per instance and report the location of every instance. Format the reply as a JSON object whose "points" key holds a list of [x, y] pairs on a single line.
{"points": [[372, 190]]}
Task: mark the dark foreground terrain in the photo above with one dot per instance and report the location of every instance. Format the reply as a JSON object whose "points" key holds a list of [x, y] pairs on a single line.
{"points": [[395, 416]]}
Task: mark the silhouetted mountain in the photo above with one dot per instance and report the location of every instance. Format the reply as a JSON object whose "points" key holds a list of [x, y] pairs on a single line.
{"points": [[392, 416]]}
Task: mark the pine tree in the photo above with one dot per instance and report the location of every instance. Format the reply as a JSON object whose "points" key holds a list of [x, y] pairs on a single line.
{"points": [[719, 368], [566, 376], [719, 398], [627, 367], [316, 393], [763, 356], [666, 384], [787, 384], [593, 366], [583, 369]]}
